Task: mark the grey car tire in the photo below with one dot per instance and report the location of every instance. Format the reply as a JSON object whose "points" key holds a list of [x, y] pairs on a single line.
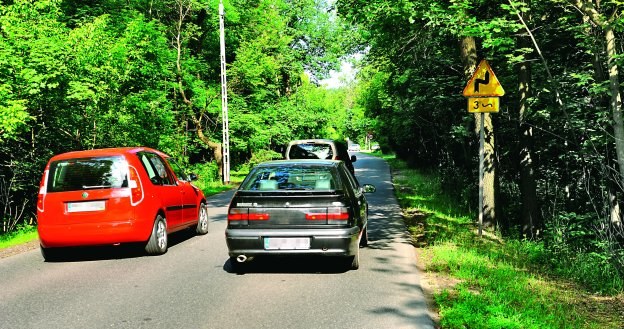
{"points": [[354, 260], [364, 238], [202, 220], [157, 243]]}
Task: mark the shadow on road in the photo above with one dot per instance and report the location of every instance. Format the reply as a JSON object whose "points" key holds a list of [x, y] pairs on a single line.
{"points": [[289, 264], [122, 251]]}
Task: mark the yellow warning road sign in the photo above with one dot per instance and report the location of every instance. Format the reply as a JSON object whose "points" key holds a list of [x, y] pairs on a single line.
{"points": [[483, 83], [483, 104]]}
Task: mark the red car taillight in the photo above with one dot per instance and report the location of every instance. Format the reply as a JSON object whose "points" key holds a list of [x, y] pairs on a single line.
{"points": [[42, 191], [136, 189]]}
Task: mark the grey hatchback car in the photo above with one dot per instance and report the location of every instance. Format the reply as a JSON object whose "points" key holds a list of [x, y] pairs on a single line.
{"points": [[298, 207]]}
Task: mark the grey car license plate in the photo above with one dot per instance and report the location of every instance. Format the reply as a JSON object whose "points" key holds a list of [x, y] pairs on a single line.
{"points": [[286, 243]]}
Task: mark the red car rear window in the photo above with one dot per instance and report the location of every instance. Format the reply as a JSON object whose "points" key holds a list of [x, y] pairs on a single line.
{"points": [[88, 173]]}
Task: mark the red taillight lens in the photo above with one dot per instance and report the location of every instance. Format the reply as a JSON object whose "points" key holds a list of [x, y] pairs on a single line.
{"points": [[238, 214], [332, 215], [316, 216], [42, 191], [337, 215], [40, 202], [136, 190], [259, 216]]}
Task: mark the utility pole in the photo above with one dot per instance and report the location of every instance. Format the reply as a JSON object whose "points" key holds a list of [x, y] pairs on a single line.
{"points": [[224, 102]]}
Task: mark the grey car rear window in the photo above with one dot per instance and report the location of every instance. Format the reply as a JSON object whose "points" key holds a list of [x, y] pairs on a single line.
{"points": [[87, 173], [287, 178]]}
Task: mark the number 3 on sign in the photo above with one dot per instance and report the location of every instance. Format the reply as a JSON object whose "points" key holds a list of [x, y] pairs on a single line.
{"points": [[483, 104]]}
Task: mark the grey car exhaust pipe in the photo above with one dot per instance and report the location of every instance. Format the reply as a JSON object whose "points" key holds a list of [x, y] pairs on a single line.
{"points": [[241, 258]]}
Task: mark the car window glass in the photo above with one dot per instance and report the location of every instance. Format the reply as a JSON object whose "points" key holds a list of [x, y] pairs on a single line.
{"points": [[88, 173], [156, 168], [310, 151], [291, 178], [151, 172], [352, 180], [177, 169]]}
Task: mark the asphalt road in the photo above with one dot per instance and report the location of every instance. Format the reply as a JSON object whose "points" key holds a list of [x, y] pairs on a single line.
{"points": [[191, 286]]}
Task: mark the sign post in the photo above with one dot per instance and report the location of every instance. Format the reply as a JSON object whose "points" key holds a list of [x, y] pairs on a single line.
{"points": [[483, 91]]}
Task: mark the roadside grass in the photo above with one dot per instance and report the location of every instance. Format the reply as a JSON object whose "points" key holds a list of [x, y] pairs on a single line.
{"points": [[214, 187], [490, 282], [23, 234]]}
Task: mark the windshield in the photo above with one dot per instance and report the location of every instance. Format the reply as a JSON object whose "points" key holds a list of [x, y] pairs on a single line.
{"points": [[288, 178], [88, 173], [310, 151]]}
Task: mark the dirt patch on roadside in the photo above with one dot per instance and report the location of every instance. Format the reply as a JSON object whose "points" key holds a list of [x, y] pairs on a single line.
{"points": [[18, 249], [432, 283]]}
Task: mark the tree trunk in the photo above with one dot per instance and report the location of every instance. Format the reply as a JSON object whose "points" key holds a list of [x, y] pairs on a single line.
{"points": [[489, 174], [616, 100], [531, 219], [216, 147], [618, 125], [184, 9], [615, 212], [590, 10], [468, 50]]}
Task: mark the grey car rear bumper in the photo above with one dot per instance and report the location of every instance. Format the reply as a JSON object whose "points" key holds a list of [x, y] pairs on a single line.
{"points": [[330, 242]]}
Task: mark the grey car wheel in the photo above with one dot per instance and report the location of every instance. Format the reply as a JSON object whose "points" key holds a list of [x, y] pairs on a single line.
{"points": [[353, 262], [364, 238], [157, 243], [202, 220]]}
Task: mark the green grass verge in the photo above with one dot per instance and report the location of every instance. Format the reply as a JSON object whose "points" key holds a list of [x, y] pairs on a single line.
{"points": [[21, 235], [494, 283], [214, 187]]}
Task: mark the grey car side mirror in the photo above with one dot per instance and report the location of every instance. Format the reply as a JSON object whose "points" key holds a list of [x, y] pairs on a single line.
{"points": [[369, 188]]}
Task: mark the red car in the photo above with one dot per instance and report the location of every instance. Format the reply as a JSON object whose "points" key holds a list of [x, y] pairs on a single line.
{"points": [[116, 195]]}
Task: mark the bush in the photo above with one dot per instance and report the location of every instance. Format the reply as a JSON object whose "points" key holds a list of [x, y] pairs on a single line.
{"points": [[206, 172], [579, 251], [262, 156]]}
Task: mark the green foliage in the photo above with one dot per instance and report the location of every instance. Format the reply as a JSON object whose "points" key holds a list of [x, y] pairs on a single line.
{"points": [[262, 156], [80, 74], [576, 252], [410, 87], [22, 234]]}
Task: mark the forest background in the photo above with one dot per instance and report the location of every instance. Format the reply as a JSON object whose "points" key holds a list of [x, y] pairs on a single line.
{"points": [[91, 74]]}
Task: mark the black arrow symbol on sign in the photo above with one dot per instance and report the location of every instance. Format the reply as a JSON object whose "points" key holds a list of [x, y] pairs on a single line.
{"points": [[482, 81]]}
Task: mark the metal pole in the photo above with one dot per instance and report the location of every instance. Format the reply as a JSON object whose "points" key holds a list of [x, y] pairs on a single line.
{"points": [[224, 102], [481, 170]]}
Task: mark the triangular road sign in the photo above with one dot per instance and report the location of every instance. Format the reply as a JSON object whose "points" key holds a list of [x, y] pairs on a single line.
{"points": [[483, 83]]}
